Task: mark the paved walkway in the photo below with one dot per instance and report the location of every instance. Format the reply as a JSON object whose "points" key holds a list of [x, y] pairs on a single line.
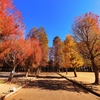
{"points": [[85, 78]]}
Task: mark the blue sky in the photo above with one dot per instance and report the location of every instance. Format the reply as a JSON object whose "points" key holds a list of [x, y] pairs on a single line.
{"points": [[56, 16]]}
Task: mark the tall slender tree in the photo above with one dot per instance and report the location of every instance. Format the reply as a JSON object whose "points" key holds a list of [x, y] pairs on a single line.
{"points": [[58, 52], [34, 54], [43, 40]]}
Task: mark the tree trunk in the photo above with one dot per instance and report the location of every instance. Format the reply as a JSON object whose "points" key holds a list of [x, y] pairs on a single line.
{"points": [[27, 73], [96, 73], [75, 72], [11, 74], [31, 70], [58, 70], [37, 71], [40, 70], [62, 70], [66, 71]]}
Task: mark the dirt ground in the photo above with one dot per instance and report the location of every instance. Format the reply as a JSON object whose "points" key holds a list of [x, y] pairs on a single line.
{"points": [[50, 86], [85, 78]]}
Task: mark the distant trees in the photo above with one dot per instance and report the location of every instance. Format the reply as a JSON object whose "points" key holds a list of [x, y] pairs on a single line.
{"points": [[86, 29], [66, 54]]}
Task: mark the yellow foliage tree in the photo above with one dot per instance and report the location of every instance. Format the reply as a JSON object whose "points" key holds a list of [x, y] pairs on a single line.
{"points": [[72, 57]]}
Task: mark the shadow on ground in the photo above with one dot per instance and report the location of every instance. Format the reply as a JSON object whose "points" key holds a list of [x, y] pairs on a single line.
{"points": [[55, 85], [53, 77], [92, 87]]}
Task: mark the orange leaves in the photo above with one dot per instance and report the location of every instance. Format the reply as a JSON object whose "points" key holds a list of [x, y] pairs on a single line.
{"points": [[33, 51], [13, 47], [11, 32], [10, 19], [41, 35], [87, 30], [19, 50], [86, 27]]}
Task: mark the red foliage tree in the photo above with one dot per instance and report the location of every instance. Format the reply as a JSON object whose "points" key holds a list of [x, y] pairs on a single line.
{"points": [[10, 20], [14, 54], [11, 29], [34, 56]]}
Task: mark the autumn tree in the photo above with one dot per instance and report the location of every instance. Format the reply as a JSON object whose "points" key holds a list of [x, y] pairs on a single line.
{"points": [[72, 57], [43, 40], [58, 52], [34, 54], [87, 31], [11, 27]]}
